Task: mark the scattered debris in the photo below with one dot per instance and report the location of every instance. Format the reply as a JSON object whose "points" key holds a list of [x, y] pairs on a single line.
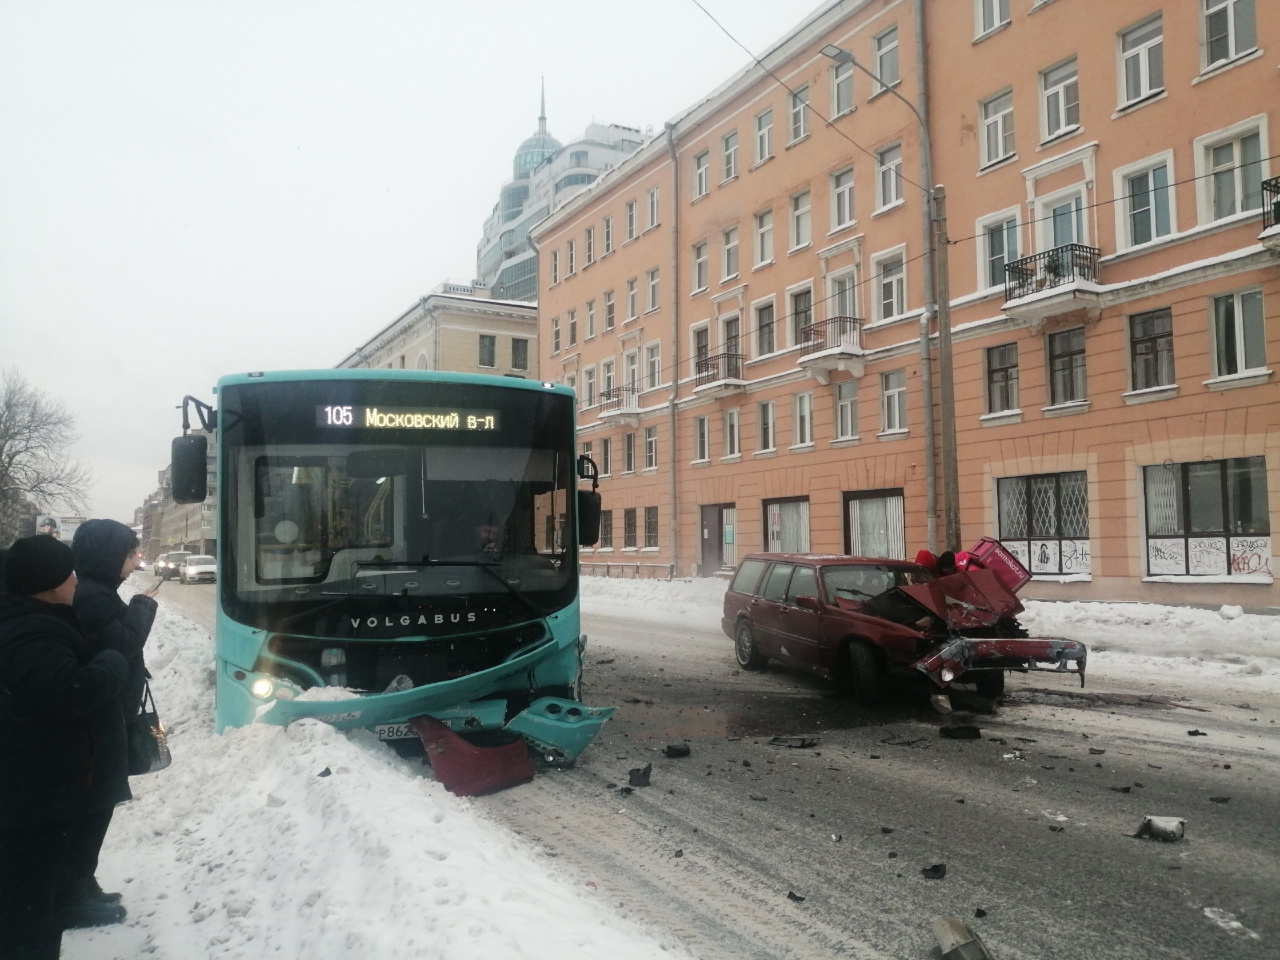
{"points": [[979, 913], [746, 763], [1226, 766], [1167, 829], [873, 756], [639, 776], [961, 732], [960, 800], [1121, 789], [892, 855], [1000, 740], [1097, 752], [1229, 923], [957, 941], [1024, 740], [1245, 706], [940, 702], [626, 790], [903, 741], [1056, 827], [935, 872], [326, 772], [794, 897], [757, 797], [1155, 766], [1196, 733], [836, 837], [886, 830], [1219, 799], [676, 750], [800, 743], [679, 853]]}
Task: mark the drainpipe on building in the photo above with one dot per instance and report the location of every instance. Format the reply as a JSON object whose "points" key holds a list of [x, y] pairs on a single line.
{"points": [[675, 342], [930, 293]]}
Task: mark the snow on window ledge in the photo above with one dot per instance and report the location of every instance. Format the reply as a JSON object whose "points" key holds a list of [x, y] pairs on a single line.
{"points": [[1260, 578], [1249, 378], [1062, 577]]}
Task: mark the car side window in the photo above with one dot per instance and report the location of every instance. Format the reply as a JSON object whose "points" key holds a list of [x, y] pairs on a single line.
{"points": [[804, 583], [747, 577], [775, 586]]}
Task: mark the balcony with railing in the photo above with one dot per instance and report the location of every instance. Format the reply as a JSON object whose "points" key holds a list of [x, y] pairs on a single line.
{"points": [[1270, 236], [832, 344], [718, 375], [1053, 282], [619, 404]]}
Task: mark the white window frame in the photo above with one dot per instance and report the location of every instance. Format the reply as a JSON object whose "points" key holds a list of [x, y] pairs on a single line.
{"points": [[631, 377], [571, 327], [701, 267], [989, 16], [694, 330], [730, 260], [981, 226], [841, 89], [845, 421], [1140, 56], [1120, 185], [633, 299], [893, 403], [898, 253], [842, 293], [590, 320], [653, 365], [804, 286], [732, 434], [1043, 210], [729, 155], [764, 135], [1203, 147], [1002, 124], [633, 218], [654, 210], [886, 49], [888, 176], [802, 420], [555, 335], [589, 396], [701, 439], [1243, 368], [701, 174], [799, 114], [610, 310], [1055, 102], [766, 427], [800, 220], [589, 246], [571, 258], [606, 456], [608, 235], [764, 237], [555, 267], [650, 448], [842, 198], [607, 381], [757, 327], [629, 452], [653, 289], [1235, 50]]}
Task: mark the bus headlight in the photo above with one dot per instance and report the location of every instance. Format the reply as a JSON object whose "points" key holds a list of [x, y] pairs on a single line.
{"points": [[262, 688], [947, 675]]}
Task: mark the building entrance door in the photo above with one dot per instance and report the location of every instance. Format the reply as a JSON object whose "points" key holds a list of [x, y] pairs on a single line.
{"points": [[717, 535]]}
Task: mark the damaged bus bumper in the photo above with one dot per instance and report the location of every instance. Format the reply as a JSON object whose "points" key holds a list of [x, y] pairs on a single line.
{"points": [[962, 655]]}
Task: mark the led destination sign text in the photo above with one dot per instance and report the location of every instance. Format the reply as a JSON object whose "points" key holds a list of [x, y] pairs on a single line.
{"points": [[405, 418]]}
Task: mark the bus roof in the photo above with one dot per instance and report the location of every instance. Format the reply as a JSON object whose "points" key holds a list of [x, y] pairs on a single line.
{"points": [[425, 376]]}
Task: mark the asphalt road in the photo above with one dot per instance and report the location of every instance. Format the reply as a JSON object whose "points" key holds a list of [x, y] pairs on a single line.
{"points": [[1033, 820]]}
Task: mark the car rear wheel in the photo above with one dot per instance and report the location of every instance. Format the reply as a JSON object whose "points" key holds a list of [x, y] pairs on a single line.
{"points": [[866, 673], [744, 648], [989, 684]]}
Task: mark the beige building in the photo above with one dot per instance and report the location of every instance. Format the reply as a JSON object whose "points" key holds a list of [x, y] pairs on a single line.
{"points": [[745, 338], [456, 327]]}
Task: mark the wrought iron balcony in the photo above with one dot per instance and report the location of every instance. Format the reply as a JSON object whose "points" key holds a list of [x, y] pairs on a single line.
{"points": [[619, 400], [1271, 213], [833, 344], [719, 374], [1066, 275]]}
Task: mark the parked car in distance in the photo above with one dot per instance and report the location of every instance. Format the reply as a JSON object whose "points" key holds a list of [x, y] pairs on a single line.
{"points": [[166, 567], [861, 620], [198, 568]]}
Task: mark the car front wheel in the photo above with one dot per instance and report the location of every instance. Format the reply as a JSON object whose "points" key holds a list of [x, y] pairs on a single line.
{"points": [[744, 648], [866, 673]]}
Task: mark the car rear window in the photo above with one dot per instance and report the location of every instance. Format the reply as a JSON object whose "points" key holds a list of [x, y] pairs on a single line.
{"points": [[775, 586], [748, 575], [804, 583], [201, 560]]}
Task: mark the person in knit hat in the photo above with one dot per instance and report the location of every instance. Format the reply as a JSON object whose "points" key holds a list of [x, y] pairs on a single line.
{"points": [[59, 719]]}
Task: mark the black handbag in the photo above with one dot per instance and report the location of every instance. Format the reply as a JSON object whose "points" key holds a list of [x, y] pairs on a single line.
{"points": [[148, 743]]}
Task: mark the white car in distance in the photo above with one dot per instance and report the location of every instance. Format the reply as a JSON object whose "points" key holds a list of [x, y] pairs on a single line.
{"points": [[198, 569]]}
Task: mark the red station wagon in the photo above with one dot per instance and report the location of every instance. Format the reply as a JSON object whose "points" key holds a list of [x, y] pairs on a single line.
{"points": [[863, 619]]}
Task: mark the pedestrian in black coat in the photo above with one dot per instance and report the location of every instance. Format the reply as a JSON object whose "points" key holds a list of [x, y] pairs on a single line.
{"points": [[61, 739]]}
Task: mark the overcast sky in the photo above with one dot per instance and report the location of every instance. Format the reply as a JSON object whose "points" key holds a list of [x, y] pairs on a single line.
{"points": [[189, 189]]}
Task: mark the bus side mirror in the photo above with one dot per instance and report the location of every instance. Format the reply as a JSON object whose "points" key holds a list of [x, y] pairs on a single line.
{"points": [[188, 468], [588, 518]]}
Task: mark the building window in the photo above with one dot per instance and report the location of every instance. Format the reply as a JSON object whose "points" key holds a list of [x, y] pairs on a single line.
{"points": [[701, 439], [1001, 242], [764, 237], [1239, 340], [766, 341], [801, 316], [629, 528], [765, 413], [650, 447], [731, 448], [555, 266], [571, 324], [653, 364], [633, 300], [997, 128], [571, 258], [653, 207], [519, 354], [893, 397], [841, 89], [889, 180], [1142, 60], [1235, 175], [800, 114], [606, 457], [729, 149], [608, 235], [840, 296], [846, 393], [631, 364], [1002, 378], [764, 136], [1229, 30], [631, 220], [891, 285], [653, 289], [587, 449], [700, 279], [555, 334], [786, 524], [992, 14], [1066, 367], [609, 312], [629, 453], [591, 319], [800, 220], [1208, 518], [701, 346], [589, 249], [1151, 349], [606, 376], [606, 529], [701, 163], [488, 350], [589, 386], [1044, 521], [887, 59], [1060, 99], [730, 264], [802, 433], [651, 526], [1147, 201], [842, 198]]}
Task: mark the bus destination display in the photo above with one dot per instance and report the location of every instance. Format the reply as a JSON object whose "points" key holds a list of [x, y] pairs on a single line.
{"points": [[404, 418]]}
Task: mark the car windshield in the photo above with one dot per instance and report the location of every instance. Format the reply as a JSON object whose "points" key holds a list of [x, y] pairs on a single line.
{"points": [[198, 560], [866, 580]]}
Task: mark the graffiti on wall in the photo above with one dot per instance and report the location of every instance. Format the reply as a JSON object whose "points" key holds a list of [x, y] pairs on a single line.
{"points": [[1250, 555], [1207, 556], [1165, 557]]}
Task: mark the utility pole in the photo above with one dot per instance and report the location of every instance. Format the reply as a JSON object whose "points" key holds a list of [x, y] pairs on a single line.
{"points": [[950, 469]]}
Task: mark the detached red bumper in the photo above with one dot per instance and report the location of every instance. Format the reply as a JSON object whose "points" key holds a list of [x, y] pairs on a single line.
{"points": [[955, 658]]}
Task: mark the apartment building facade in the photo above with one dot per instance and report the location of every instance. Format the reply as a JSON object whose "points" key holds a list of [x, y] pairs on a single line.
{"points": [[1112, 281]]}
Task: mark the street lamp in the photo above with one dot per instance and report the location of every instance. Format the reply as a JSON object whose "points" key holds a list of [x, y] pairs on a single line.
{"points": [[937, 304]]}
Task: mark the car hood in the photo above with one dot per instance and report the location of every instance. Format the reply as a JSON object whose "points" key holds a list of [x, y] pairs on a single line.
{"points": [[972, 598]]}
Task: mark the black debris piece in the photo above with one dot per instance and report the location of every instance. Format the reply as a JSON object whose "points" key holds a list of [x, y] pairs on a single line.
{"points": [[639, 776], [1155, 766], [1219, 799], [960, 800], [676, 750], [1000, 740], [1121, 789], [1097, 765], [1245, 706], [892, 855], [1097, 752], [836, 838], [979, 913], [961, 732], [1226, 766], [626, 790], [1056, 828], [1140, 786], [935, 872], [1043, 767], [1196, 733], [904, 741], [611, 786], [326, 772], [886, 830], [756, 796], [1024, 740], [800, 743], [678, 853], [873, 756], [794, 897], [601, 663], [746, 763]]}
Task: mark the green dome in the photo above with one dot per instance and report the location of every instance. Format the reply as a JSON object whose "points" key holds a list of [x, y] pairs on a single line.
{"points": [[534, 151]]}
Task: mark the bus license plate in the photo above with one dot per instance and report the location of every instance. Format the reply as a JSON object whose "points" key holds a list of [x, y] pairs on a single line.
{"points": [[394, 731]]}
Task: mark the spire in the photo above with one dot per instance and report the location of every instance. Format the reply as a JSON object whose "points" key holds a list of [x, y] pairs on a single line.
{"points": [[542, 117]]}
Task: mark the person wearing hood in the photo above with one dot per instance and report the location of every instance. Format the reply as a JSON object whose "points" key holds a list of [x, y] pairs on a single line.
{"points": [[106, 553], [61, 739]]}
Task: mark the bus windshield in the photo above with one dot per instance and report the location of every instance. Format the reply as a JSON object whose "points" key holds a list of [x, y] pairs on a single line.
{"points": [[339, 493]]}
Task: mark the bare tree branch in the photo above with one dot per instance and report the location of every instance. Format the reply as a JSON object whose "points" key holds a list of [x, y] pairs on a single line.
{"points": [[36, 434]]}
